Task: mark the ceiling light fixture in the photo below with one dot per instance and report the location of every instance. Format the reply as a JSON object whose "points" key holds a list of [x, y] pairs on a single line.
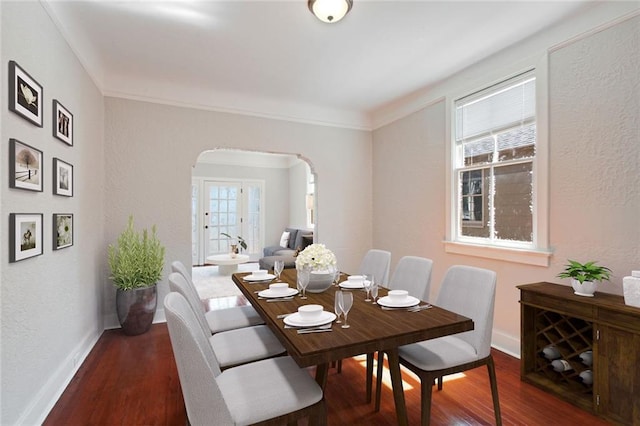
{"points": [[330, 11]]}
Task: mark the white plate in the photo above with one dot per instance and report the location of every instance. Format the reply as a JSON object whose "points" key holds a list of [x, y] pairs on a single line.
{"points": [[266, 277], [268, 293], [347, 284], [295, 320], [409, 301]]}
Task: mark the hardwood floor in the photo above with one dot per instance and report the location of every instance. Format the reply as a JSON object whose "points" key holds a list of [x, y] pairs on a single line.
{"points": [[132, 380]]}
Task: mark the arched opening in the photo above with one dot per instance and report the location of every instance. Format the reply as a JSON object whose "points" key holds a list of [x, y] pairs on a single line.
{"points": [[248, 198]]}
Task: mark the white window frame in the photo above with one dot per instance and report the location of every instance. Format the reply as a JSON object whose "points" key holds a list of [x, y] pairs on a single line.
{"points": [[537, 252]]}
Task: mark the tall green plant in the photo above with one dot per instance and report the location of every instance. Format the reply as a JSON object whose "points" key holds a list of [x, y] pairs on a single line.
{"points": [[137, 259]]}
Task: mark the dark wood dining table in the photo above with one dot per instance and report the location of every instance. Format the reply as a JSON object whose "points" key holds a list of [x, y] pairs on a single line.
{"points": [[371, 329]]}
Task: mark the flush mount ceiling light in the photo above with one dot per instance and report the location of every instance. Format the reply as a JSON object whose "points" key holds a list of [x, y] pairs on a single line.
{"points": [[330, 11]]}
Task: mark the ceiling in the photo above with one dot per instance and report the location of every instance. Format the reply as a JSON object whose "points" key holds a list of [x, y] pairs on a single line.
{"points": [[275, 59]]}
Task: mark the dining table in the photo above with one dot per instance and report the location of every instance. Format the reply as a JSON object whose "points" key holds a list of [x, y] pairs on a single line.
{"points": [[372, 328]]}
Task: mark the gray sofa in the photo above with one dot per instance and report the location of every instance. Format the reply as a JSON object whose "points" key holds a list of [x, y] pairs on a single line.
{"points": [[298, 240]]}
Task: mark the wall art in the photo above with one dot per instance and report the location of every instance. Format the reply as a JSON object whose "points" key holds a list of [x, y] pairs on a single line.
{"points": [[62, 178], [25, 166], [62, 230], [25, 236], [25, 94], [62, 123]]}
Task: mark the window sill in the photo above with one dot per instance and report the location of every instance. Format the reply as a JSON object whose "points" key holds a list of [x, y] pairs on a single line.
{"points": [[507, 254]]}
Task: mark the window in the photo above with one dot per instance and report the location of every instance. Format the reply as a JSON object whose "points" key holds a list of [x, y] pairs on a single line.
{"points": [[494, 154]]}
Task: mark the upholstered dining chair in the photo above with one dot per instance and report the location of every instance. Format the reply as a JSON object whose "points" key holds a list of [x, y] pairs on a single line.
{"points": [[231, 347], [467, 291], [271, 391], [377, 263], [413, 274], [221, 319]]}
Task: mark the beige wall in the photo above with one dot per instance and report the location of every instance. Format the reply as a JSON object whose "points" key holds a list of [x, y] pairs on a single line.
{"points": [[150, 151], [594, 137], [51, 304]]}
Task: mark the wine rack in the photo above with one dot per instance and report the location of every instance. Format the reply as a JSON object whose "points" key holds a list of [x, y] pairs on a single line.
{"points": [[598, 338]]}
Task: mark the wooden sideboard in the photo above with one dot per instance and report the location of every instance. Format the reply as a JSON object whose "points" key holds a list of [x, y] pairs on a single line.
{"points": [[551, 315]]}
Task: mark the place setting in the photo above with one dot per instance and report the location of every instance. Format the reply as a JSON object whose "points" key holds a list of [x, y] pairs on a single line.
{"points": [[277, 292], [261, 275], [354, 282], [309, 319], [401, 300]]}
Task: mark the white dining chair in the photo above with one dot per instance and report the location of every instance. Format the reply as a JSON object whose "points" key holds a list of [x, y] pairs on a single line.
{"points": [[272, 391], [376, 262], [467, 291], [221, 319], [231, 347], [412, 273]]}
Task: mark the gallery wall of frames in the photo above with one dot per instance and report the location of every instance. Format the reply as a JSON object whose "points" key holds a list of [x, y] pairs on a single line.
{"points": [[28, 165]]}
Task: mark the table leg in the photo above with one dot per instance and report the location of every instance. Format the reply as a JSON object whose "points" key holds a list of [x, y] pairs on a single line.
{"points": [[227, 269], [322, 372], [396, 382]]}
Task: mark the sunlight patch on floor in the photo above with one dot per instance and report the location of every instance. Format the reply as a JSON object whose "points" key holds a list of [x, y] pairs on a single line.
{"points": [[386, 377]]}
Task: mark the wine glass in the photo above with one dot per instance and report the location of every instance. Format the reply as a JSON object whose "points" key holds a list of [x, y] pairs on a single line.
{"points": [[374, 292], [278, 266], [303, 280], [345, 306], [336, 306], [366, 283], [336, 276]]}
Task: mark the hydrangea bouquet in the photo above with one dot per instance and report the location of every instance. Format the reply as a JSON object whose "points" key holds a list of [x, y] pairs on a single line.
{"points": [[316, 257]]}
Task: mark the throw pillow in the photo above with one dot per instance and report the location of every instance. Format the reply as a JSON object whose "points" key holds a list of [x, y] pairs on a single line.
{"points": [[284, 239]]}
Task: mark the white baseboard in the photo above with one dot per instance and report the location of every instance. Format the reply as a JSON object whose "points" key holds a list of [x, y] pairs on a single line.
{"points": [[42, 403], [506, 343]]}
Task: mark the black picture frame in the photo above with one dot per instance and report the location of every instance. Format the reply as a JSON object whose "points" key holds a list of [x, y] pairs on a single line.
{"points": [[25, 95], [25, 166], [62, 224], [25, 236], [62, 121], [62, 178]]}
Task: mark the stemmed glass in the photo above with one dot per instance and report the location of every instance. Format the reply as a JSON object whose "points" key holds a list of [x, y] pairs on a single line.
{"points": [[374, 292], [345, 306], [336, 276], [303, 280], [337, 306], [367, 283], [278, 266]]}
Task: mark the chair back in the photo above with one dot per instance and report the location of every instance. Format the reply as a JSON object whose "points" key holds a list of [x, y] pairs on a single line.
{"points": [[471, 292], [177, 266], [413, 274], [376, 262], [181, 285], [197, 365]]}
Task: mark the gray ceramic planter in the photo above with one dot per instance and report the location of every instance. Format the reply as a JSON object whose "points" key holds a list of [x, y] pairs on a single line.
{"points": [[136, 309]]}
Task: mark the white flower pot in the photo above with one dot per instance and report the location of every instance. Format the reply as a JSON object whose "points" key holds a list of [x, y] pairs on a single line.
{"points": [[319, 281], [587, 288], [631, 289]]}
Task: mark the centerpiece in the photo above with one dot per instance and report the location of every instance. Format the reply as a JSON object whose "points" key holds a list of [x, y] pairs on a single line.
{"points": [[321, 264], [584, 276]]}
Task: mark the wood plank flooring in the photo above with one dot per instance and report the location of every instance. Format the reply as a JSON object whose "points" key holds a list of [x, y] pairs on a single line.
{"points": [[132, 380]]}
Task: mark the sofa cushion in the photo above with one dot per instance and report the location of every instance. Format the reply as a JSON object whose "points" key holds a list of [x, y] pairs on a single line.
{"points": [[284, 239]]}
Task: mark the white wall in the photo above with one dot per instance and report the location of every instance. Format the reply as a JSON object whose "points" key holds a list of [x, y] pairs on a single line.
{"points": [[151, 148], [594, 134], [51, 313], [298, 191]]}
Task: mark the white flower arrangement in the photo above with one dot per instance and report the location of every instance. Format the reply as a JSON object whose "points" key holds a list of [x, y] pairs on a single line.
{"points": [[316, 257]]}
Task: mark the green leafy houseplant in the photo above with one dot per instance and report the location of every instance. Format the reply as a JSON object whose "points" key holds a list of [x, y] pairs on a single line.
{"points": [[241, 242], [582, 272], [137, 259]]}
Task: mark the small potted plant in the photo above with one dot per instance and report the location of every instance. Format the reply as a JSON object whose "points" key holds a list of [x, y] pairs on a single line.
{"points": [[584, 276], [136, 262], [234, 247]]}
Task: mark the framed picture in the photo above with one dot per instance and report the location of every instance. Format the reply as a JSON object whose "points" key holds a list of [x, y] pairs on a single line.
{"points": [[25, 236], [62, 123], [25, 166], [62, 230], [62, 178], [25, 94]]}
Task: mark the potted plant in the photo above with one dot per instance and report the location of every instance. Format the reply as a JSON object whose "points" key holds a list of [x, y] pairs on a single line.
{"points": [[234, 247], [584, 276], [136, 262]]}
